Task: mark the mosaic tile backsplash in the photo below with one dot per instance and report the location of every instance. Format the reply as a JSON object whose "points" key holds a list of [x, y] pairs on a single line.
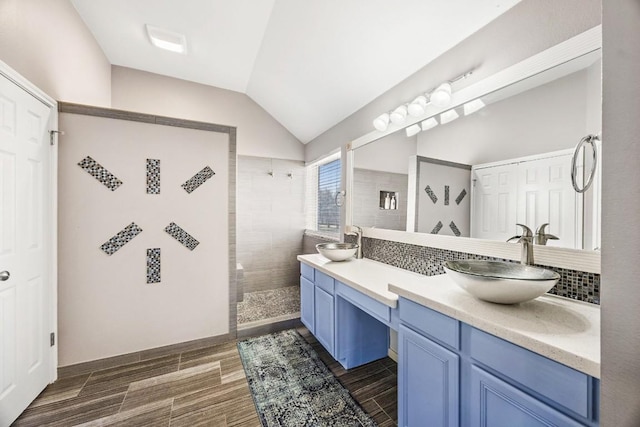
{"points": [[577, 285]]}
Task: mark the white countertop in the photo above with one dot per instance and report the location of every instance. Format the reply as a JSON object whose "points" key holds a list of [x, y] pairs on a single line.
{"points": [[558, 328], [370, 277]]}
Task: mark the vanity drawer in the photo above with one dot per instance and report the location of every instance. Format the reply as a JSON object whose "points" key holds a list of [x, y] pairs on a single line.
{"points": [[552, 380], [325, 282], [307, 272], [364, 302], [437, 325]]}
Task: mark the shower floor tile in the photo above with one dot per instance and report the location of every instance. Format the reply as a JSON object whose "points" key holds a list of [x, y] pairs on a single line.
{"points": [[273, 305]]}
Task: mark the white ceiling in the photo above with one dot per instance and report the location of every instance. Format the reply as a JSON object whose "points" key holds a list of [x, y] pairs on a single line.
{"points": [[309, 63]]}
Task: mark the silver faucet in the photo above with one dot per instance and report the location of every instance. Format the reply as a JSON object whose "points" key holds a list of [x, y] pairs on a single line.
{"points": [[526, 239], [542, 236], [358, 234]]}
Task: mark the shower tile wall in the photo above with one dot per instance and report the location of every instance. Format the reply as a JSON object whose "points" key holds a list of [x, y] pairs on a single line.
{"points": [[270, 221], [367, 185]]}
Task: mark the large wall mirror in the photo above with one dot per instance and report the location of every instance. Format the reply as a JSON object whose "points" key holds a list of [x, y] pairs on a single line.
{"points": [[501, 158]]}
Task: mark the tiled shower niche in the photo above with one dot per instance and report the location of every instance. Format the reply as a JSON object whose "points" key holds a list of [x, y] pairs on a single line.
{"points": [[577, 285]]}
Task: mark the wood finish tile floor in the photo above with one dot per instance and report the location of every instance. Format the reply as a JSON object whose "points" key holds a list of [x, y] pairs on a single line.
{"points": [[205, 387]]}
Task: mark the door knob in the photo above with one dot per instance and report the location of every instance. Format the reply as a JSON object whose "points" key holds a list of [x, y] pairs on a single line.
{"points": [[4, 275]]}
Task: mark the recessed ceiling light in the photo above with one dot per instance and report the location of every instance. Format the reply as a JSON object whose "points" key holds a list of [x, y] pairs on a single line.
{"points": [[168, 40]]}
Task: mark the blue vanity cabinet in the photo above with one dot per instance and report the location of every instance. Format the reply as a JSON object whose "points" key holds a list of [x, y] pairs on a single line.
{"points": [[324, 318], [452, 374], [496, 403], [428, 380], [307, 303], [307, 296], [351, 326]]}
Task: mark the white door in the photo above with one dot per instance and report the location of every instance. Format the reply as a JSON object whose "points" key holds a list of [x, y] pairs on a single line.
{"points": [[546, 196], [494, 198], [25, 249]]}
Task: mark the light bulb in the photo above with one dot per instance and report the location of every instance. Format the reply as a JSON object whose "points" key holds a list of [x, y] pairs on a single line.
{"points": [[381, 122], [398, 115], [412, 130], [418, 106], [429, 123], [441, 96]]}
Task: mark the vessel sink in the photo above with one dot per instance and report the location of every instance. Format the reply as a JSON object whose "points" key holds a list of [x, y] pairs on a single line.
{"points": [[337, 251], [501, 282]]}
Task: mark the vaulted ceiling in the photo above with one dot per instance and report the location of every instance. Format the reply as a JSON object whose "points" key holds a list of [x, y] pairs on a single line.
{"points": [[309, 63]]}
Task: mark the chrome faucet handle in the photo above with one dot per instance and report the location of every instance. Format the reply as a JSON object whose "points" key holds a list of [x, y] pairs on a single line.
{"points": [[514, 238], [541, 231], [526, 231]]}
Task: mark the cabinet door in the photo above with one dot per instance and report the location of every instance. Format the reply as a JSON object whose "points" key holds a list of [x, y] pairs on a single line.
{"points": [[324, 319], [494, 403], [307, 303], [428, 382]]}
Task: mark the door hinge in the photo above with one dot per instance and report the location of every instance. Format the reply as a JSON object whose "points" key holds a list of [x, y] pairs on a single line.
{"points": [[52, 339], [52, 136]]}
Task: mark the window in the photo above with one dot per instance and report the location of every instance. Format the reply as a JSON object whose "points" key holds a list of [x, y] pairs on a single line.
{"points": [[328, 188], [323, 185]]}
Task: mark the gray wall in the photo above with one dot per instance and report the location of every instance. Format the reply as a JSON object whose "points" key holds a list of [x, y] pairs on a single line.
{"points": [[49, 44], [259, 134], [524, 30], [547, 118], [270, 221], [367, 185], [621, 204]]}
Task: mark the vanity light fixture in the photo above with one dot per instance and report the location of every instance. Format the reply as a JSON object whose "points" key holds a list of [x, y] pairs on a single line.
{"points": [[430, 123], [473, 106], [448, 116], [439, 97], [418, 106], [399, 115], [381, 122], [413, 130], [168, 40]]}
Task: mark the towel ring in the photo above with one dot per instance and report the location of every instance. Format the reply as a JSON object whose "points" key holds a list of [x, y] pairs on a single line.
{"points": [[589, 139]]}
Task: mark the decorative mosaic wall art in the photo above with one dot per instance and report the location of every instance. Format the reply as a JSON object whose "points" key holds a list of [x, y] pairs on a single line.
{"points": [[437, 228], [123, 237], [454, 228], [446, 195], [97, 171], [577, 285], [461, 196], [431, 194], [181, 236], [153, 176], [153, 265], [198, 179]]}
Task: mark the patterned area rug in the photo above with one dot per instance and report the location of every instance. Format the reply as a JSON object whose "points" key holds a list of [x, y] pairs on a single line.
{"points": [[292, 387]]}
